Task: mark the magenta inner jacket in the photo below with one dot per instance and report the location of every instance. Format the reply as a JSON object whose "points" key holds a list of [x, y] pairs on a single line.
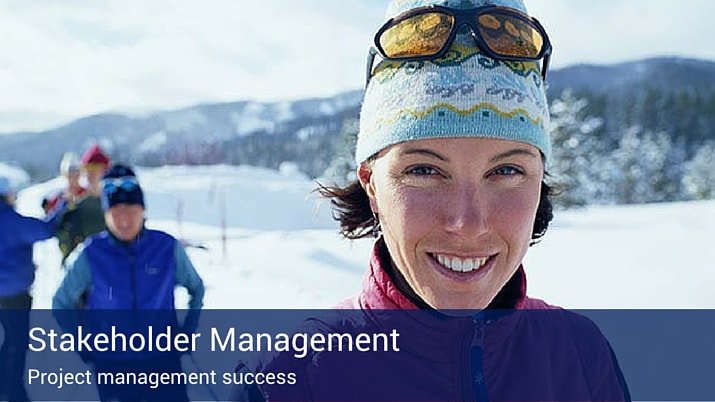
{"points": [[528, 352]]}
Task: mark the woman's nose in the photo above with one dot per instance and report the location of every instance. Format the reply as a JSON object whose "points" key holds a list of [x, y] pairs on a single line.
{"points": [[466, 213]]}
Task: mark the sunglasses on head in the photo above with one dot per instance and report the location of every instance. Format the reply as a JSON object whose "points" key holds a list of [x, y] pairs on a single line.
{"points": [[426, 33], [111, 186]]}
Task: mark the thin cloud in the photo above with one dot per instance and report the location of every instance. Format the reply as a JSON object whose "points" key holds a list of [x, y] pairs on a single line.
{"points": [[73, 58]]}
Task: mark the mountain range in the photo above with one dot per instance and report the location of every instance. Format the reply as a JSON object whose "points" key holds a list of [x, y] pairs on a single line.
{"points": [[670, 94]]}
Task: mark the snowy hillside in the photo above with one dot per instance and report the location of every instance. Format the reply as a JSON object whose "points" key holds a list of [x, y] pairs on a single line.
{"points": [[281, 253], [245, 132]]}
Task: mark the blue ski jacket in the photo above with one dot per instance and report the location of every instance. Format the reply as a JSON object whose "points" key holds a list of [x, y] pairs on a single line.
{"points": [[106, 273], [17, 235]]}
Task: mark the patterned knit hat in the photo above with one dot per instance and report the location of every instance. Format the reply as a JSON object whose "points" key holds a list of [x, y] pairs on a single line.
{"points": [[462, 94]]}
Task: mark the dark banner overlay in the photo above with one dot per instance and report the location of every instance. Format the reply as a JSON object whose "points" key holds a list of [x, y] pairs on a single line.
{"points": [[347, 355]]}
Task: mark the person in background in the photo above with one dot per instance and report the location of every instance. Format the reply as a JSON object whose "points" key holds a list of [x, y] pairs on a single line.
{"points": [[87, 217], [17, 273], [130, 267], [95, 163], [70, 169]]}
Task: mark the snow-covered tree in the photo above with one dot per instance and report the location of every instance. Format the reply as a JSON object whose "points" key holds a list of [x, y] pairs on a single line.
{"points": [[576, 154], [648, 168], [628, 172], [699, 178], [342, 166]]}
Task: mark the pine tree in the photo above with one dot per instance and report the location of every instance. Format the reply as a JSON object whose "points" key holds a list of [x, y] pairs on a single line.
{"points": [[647, 168], [628, 171], [342, 166], [575, 150], [699, 178]]}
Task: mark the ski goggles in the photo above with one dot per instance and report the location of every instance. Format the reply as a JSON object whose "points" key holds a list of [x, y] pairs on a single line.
{"points": [[426, 33], [126, 184]]}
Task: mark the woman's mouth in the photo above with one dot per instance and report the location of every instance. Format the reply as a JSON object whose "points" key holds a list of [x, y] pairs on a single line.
{"points": [[460, 264]]}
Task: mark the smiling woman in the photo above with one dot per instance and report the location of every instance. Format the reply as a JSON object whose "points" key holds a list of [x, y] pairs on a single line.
{"points": [[451, 157]]}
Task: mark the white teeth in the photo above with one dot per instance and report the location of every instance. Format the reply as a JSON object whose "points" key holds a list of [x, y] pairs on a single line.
{"points": [[440, 259], [460, 264], [468, 265]]}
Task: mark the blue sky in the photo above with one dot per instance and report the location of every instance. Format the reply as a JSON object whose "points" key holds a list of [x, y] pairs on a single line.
{"points": [[70, 58]]}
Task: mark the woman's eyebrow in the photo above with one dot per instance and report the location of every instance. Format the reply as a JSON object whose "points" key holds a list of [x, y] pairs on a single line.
{"points": [[426, 152], [513, 152]]}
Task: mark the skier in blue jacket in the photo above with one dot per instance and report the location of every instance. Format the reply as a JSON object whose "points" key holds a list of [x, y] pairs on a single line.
{"points": [[130, 267], [17, 273]]}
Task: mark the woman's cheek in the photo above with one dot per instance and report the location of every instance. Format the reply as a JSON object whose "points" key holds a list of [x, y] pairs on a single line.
{"points": [[515, 211], [417, 206]]}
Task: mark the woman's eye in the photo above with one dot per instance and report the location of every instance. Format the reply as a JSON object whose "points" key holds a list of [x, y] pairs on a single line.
{"points": [[422, 170], [507, 171]]}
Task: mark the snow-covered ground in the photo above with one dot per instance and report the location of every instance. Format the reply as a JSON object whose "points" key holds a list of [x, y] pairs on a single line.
{"points": [[283, 252], [15, 175]]}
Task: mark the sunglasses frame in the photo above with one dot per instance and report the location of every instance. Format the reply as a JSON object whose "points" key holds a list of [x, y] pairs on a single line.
{"points": [[461, 17]]}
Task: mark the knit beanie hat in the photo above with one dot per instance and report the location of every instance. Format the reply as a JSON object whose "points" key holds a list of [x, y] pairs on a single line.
{"points": [[120, 186], [463, 94], [95, 155], [70, 163]]}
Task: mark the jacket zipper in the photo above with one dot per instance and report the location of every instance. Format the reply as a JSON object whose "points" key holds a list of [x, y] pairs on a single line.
{"points": [[133, 278], [476, 377]]}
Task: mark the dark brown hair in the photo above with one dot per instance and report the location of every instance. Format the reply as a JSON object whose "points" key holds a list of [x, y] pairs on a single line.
{"points": [[351, 207]]}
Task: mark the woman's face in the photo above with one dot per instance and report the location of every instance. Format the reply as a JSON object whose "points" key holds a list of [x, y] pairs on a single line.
{"points": [[457, 214]]}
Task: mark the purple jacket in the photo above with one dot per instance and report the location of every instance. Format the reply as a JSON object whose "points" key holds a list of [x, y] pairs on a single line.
{"points": [[531, 351]]}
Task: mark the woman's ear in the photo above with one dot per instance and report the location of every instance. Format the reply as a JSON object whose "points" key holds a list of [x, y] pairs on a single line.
{"points": [[364, 174]]}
